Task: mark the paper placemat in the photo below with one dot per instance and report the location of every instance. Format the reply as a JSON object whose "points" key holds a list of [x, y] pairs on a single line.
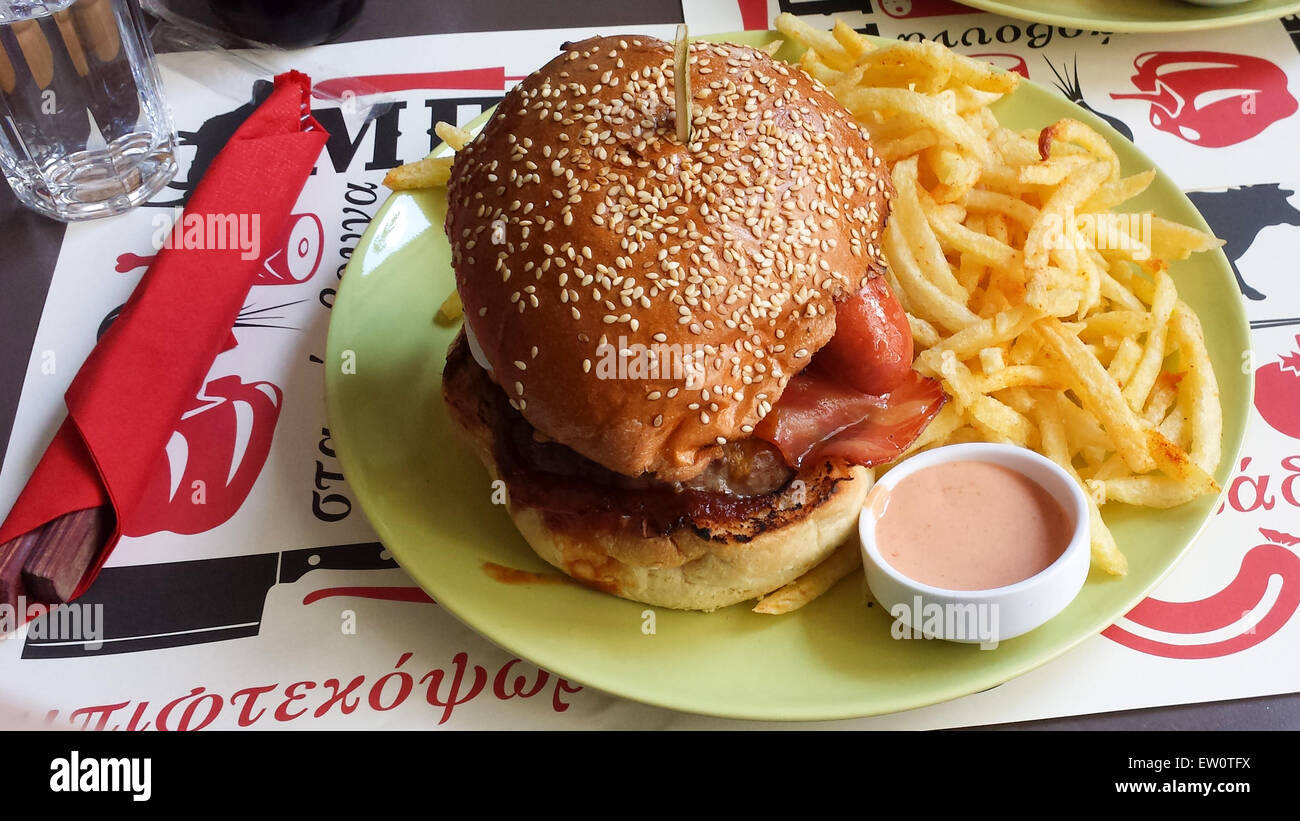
{"points": [[314, 626]]}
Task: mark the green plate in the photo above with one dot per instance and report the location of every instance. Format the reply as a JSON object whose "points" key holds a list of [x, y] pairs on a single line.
{"points": [[1138, 15], [429, 499]]}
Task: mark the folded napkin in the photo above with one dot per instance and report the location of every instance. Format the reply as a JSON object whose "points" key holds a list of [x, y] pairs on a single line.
{"points": [[129, 396]]}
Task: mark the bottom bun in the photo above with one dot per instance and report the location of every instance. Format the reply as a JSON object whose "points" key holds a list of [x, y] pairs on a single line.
{"points": [[702, 565], [686, 571]]}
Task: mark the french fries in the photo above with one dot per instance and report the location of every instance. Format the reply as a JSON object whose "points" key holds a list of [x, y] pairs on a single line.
{"points": [[430, 172], [1052, 322], [453, 136], [451, 309], [846, 558]]}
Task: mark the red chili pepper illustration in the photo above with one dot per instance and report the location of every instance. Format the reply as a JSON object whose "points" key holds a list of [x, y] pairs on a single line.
{"points": [[1277, 386], [212, 460], [1211, 98], [1243, 595]]}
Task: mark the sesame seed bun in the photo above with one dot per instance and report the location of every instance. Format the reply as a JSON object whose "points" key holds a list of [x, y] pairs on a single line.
{"points": [[711, 561], [581, 227]]}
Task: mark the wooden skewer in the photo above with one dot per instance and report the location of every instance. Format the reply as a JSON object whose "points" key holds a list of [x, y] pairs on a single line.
{"points": [[682, 84]]}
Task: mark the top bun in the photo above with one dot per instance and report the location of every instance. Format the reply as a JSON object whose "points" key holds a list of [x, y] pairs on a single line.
{"points": [[643, 301]]}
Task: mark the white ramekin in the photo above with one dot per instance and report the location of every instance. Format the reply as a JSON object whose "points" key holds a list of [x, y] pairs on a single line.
{"points": [[1007, 611]]}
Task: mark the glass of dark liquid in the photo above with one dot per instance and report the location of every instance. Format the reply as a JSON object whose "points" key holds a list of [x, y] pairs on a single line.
{"points": [[286, 23], [281, 23]]}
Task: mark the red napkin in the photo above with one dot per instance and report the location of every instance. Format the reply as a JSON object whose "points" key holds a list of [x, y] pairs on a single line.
{"points": [[130, 394]]}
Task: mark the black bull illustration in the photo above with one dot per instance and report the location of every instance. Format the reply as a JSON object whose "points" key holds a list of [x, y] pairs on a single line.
{"points": [[1237, 215]]}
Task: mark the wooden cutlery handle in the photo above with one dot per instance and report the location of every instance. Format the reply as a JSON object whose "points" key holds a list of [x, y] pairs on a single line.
{"points": [[13, 555], [48, 562]]}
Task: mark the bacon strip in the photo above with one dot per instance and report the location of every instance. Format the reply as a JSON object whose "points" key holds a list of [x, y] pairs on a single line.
{"points": [[818, 417]]}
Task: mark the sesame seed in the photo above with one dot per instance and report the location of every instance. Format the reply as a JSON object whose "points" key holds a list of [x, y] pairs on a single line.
{"points": [[765, 161]]}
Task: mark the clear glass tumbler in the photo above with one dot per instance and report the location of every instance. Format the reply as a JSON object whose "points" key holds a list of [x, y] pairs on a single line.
{"points": [[84, 129]]}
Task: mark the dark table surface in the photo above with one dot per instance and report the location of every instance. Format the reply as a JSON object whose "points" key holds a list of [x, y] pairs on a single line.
{"points": [[31, 247]]}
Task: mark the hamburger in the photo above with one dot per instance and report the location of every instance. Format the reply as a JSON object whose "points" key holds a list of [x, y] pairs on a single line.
{"points": [[682, 358]]}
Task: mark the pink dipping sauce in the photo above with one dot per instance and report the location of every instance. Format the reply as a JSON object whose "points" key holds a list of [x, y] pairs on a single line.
{"points": [[970, 526]]}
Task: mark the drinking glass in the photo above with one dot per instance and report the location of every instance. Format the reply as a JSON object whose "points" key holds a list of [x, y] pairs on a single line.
{"points": [[84, 129]]}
